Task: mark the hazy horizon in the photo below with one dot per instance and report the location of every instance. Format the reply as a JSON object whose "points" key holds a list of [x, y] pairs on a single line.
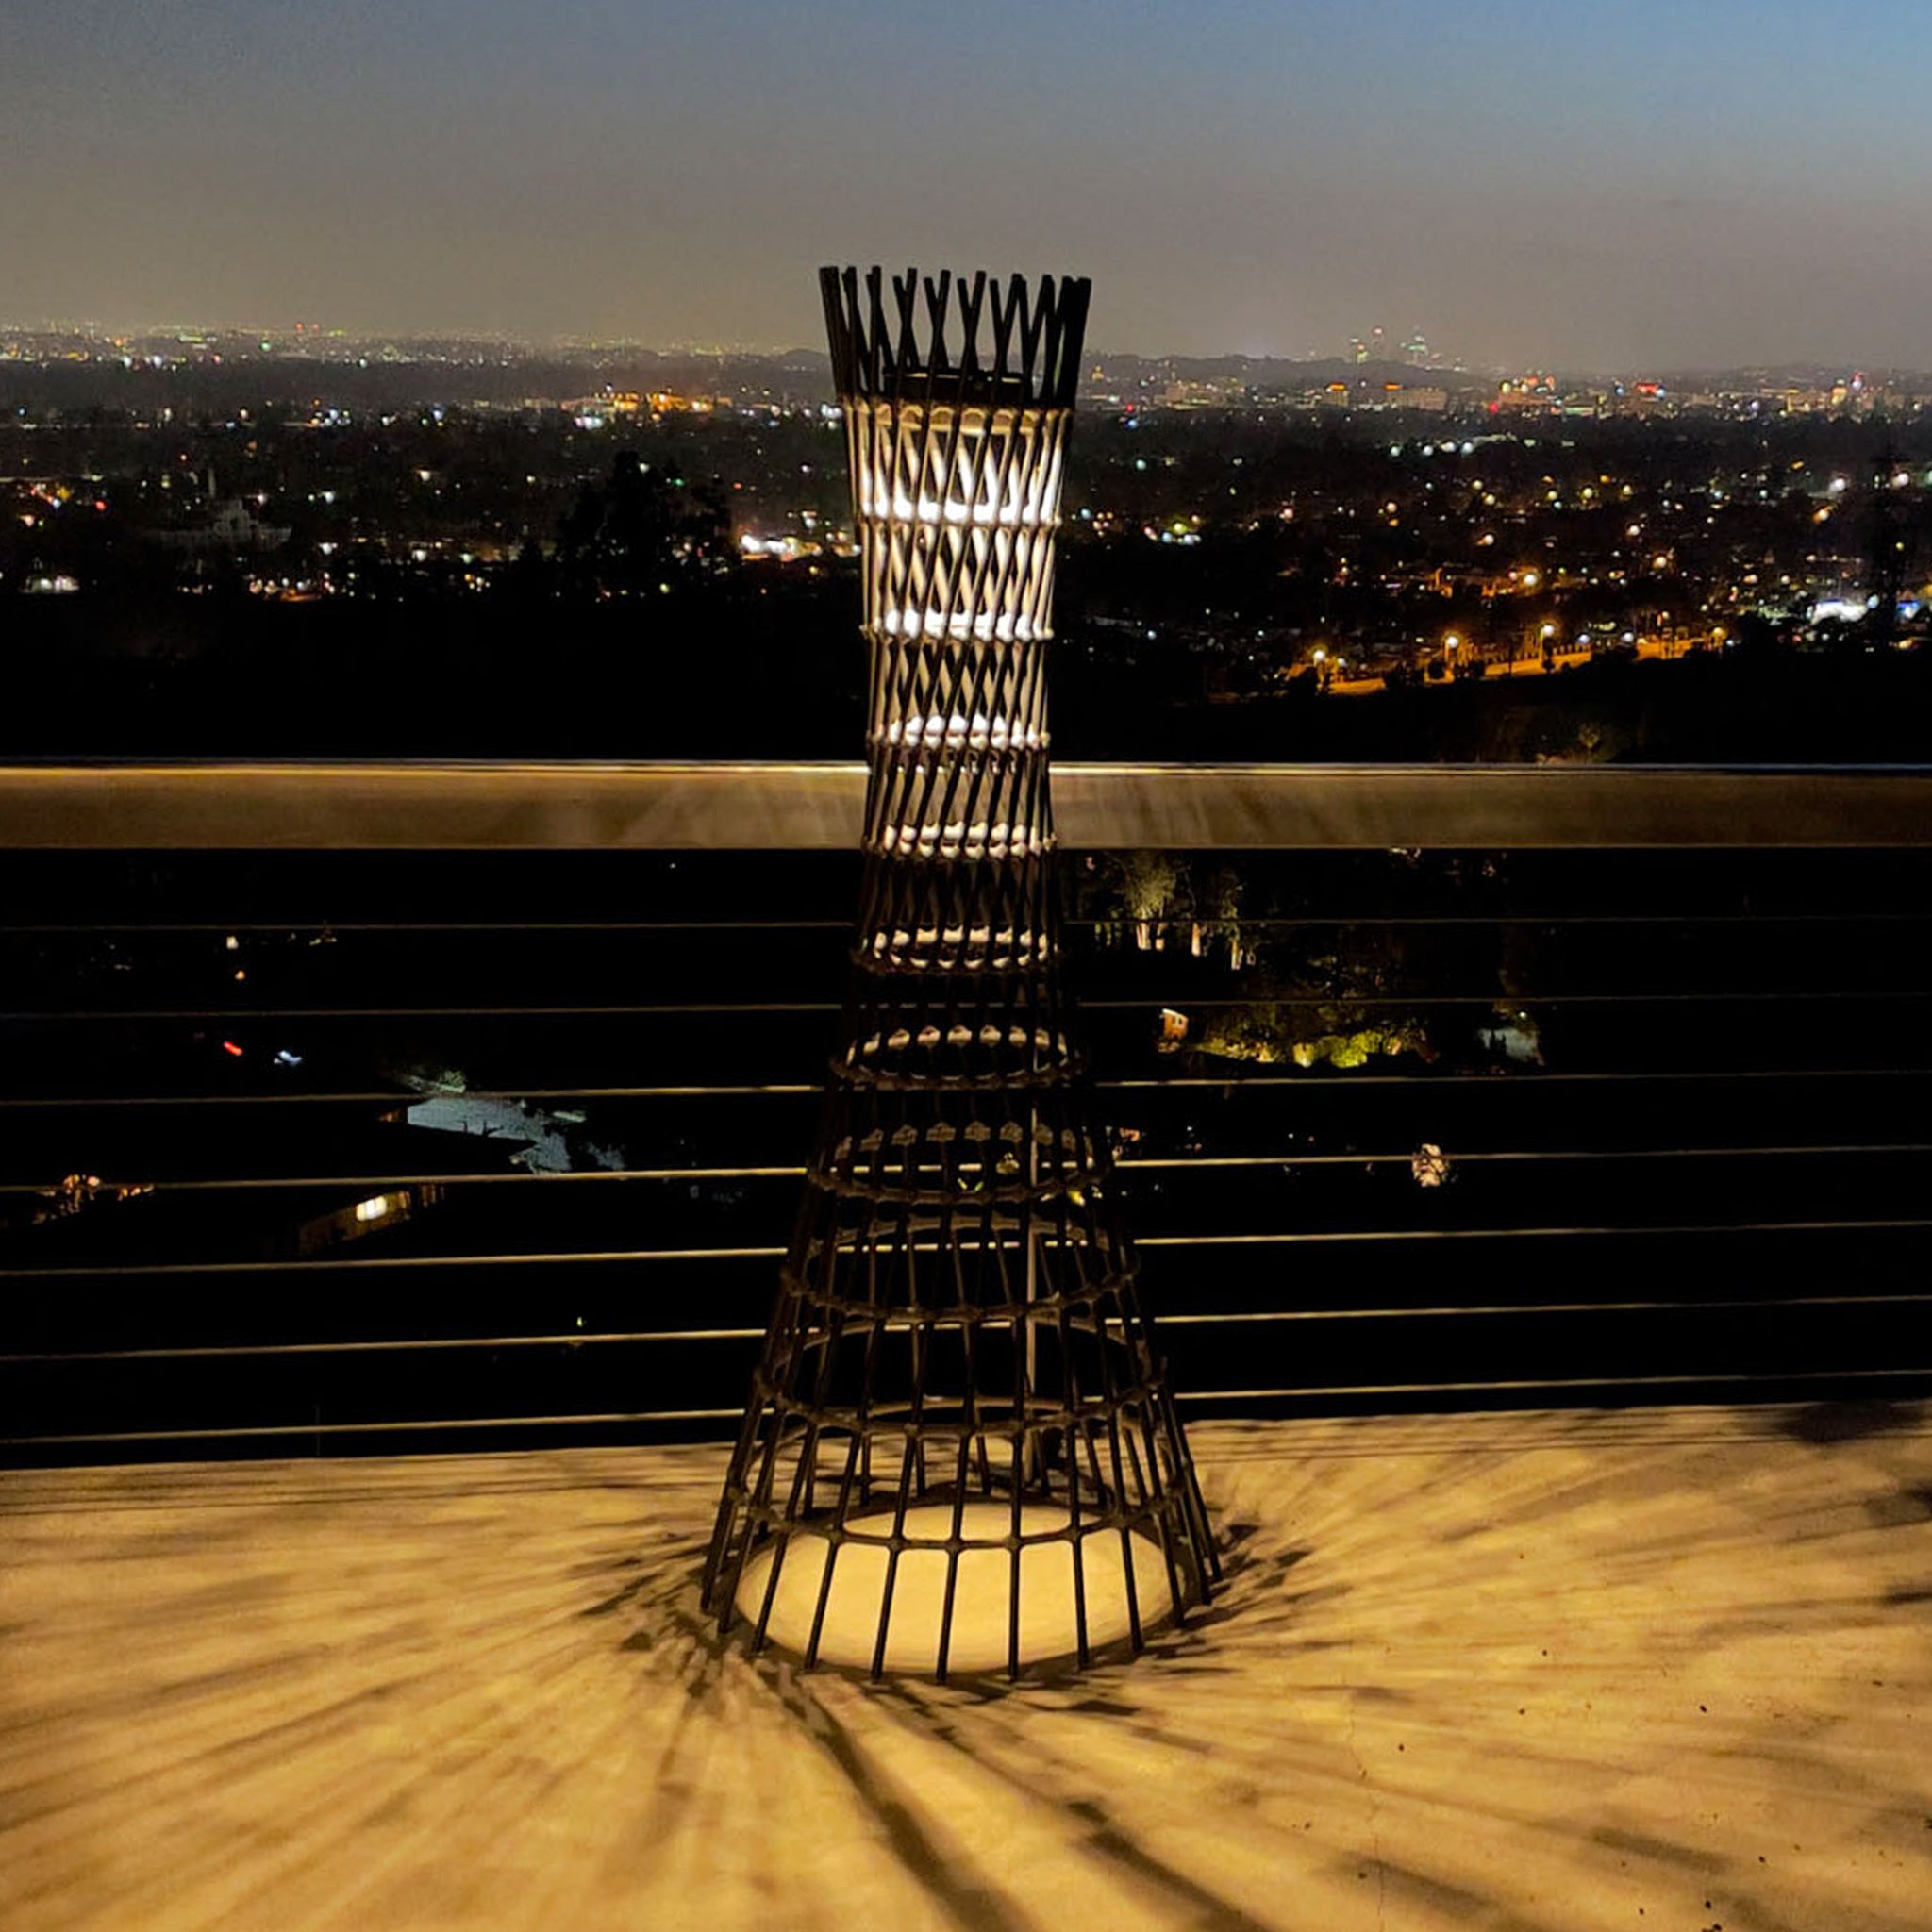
{"points": [[565, 343]]}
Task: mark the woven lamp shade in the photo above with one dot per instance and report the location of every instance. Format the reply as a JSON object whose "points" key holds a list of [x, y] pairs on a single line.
{"points": [[960, 1455]]}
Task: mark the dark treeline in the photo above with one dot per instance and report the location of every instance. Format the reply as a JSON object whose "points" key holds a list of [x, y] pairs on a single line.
{"points": [[775, 668]]}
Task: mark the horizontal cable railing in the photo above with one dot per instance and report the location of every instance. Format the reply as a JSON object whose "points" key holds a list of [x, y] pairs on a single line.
{"points": [[1432, 1086]]}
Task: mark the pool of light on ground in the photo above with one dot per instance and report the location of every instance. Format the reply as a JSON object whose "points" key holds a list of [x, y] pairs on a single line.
{"points": [[982, 1587], [1565, 1673]]}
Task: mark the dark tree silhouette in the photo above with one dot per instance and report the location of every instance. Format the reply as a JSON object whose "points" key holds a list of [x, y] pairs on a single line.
{"points": [[639, 534]]}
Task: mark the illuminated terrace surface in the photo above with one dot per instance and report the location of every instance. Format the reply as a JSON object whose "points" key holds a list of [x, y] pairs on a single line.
{"points": [[1664, 1667]]}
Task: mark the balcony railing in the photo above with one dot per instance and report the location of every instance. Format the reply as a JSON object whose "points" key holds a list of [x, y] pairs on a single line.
{"points": [[352, 1106], [726, 808]]}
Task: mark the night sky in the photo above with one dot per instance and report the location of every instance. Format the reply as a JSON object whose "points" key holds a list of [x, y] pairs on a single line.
{"points": [[1591, 186]]}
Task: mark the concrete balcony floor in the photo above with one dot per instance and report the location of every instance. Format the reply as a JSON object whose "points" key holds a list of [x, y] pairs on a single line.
{"points": [[1665, 1669]]}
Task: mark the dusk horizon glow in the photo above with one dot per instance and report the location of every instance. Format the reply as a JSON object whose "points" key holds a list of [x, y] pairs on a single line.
{"points": [[1525, 186]]}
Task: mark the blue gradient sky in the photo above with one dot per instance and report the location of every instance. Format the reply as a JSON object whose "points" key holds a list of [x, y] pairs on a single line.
{"points": [[1606, 186]]}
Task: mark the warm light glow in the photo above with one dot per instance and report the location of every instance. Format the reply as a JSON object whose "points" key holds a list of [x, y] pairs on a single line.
{"points": [[979, 1587], [977, 733]]}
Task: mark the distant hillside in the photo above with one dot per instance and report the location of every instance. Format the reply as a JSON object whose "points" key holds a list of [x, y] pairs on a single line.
{"points": [[1277, 371], [505, 378]]}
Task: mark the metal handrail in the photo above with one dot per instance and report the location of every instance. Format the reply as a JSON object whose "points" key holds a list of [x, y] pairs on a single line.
{"points": [[422, 806]]}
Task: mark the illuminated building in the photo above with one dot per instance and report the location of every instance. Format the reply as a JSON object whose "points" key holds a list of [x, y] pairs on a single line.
{"points": [[959, 1454]]}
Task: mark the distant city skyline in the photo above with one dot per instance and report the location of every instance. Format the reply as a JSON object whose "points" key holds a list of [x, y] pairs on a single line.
{"points": [[271, 338], [1545, 185]]}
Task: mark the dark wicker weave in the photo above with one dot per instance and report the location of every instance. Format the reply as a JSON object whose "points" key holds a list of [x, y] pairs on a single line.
{"points": [[959, 1362]]}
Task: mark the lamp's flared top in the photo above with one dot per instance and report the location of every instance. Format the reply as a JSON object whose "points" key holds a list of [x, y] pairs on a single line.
{"points": [[965, 338]]}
